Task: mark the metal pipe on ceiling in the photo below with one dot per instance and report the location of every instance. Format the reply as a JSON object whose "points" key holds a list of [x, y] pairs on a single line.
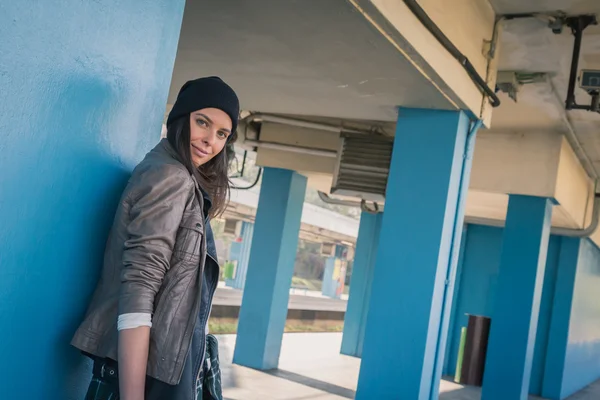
{"points": [[422, 16], [256, 117], [254, 141], [292, 149], [362, 204], [325, 198], [585, 232]]}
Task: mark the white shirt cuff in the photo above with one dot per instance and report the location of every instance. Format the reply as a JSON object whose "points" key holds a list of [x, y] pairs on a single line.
{"points": [[134, 320]]}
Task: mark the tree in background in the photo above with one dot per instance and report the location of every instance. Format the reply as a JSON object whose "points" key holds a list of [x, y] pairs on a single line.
{"points": [[309, 262]]}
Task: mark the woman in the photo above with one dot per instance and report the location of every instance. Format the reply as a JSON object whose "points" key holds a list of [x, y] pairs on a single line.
{"points": [[146, 326]]}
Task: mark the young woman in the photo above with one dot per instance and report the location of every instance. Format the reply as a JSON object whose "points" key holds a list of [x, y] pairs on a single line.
{"points": [[146, 326]]}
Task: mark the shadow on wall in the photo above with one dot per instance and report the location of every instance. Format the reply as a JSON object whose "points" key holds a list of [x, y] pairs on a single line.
{"points": [[64, 190]]}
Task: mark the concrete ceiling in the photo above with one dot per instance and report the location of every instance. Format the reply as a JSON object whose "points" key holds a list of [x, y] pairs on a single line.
{"points": [[529, 46], [571, 7], [322, 58], [308, 57]]}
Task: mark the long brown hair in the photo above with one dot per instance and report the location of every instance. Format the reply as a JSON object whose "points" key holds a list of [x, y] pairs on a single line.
{"points": [[213, 176]]}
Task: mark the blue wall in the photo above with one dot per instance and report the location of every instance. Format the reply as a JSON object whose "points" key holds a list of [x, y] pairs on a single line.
{"points": [[477, 277], [83, 88], [582, 360]]}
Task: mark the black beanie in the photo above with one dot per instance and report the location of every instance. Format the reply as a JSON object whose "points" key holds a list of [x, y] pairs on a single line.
{"points": [[210, 92]]}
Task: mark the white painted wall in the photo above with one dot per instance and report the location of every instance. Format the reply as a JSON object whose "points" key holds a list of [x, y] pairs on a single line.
{"points": [[516, 162]]}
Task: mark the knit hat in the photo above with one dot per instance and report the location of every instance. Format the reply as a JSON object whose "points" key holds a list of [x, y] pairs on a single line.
{"points": [[210, 92]]}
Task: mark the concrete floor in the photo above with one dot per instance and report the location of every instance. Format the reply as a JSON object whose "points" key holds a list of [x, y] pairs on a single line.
{"points": [[311, 368]]}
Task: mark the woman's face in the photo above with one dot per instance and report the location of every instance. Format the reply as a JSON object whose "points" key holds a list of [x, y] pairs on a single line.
{"points": [[209, 130]]}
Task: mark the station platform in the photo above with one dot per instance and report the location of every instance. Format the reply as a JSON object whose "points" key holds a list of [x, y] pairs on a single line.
{"points": [[311, 368], [225, 296]]}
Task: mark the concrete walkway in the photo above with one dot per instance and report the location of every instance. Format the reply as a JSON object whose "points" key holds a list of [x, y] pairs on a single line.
{"points": [[311, 368]]}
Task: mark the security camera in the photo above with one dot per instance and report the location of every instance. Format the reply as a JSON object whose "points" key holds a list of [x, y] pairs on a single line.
{"points": [[557, 23], [589, 80]]}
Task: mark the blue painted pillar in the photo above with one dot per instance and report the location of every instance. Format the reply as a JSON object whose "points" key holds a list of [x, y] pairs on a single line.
{"points": [[418, 245], [241, 254], [270, 270], [361, 282], [518, 294], [329, 286], [558, 333], [247, 233]]}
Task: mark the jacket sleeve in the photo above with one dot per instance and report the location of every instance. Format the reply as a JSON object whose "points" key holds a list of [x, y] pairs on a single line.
{"points": [[157, 205]]}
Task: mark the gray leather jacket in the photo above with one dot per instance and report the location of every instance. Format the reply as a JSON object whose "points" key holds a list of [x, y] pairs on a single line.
{"points": [[153, 263]]}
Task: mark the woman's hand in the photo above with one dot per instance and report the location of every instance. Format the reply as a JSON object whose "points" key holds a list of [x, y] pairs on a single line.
{"points": [[133, 358]]}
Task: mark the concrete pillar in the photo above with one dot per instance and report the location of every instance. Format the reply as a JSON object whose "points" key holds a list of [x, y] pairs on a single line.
{"points": [[558, 333], [272, 256], [419, 242], [518, 294], [361, 282], [83, 98]]}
